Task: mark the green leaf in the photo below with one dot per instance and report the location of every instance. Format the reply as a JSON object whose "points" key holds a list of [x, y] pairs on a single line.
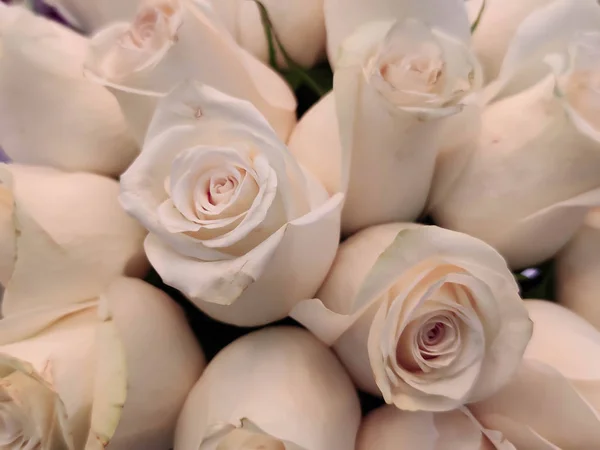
{"points": [[479, 16]]}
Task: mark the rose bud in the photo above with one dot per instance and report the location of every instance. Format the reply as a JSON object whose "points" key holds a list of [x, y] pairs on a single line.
{"points": [[274, 389], [67, 232], [51, 115], [428, 318], [171, 41], [81, 376], [534, 174], [401, 70]]}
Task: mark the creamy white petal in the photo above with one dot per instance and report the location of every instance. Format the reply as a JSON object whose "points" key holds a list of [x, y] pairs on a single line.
{"points": [[283, 381], [578, 271], [69, 234], [88, 16], [218, 62], [531, 132], [40, 74], [547, 30]]}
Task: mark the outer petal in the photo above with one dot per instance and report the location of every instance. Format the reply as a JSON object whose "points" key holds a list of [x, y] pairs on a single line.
{"points": [[388, 428], [40, 74], [496, 29], [527, 142], [163, 361], [525, 411], [70, 235], [58, 343], [284, 381], [263, 285], [547, 30], [299, 25], [218, 62], [578, 271], [343, 17]]}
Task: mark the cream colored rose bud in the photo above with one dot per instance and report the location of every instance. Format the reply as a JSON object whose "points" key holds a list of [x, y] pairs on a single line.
{"points": [[534, 174], [235, 223], [399, 75], [552, 401], [52, 115], [172, 41], [63, 237], [388, 428], [426, 317], [84, 377], [274, 389], [578, 271]]}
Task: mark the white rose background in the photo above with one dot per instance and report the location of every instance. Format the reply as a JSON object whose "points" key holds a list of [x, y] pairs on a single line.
{"points": [[479, 113]]}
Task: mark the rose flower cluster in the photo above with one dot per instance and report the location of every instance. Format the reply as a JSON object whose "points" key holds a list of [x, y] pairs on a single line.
{"points": [[300, 225]]}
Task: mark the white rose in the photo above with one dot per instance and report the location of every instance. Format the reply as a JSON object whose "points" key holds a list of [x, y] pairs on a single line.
{"points": [[388, 428], [534, 174], [552, 402], [378, 134], [426, 317], [67, 232], [497, 26], [578, 271], [81, 377], [299, 25], [546, 30], [235, 223], [51, 115], [279, 388], [171, 41]]}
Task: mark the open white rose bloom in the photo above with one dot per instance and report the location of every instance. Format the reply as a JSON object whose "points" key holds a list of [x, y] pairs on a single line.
{"points": [[170, 41], [274, 389], [578, 271], [235, 223], [63, 237], [41, 72], [388, 428], [428, 318], [81, 377], [552, 402], [401, 68], [534, 174]]}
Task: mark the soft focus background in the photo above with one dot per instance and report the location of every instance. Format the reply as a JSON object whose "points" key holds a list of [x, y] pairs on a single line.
{"points": [[309, 85]]}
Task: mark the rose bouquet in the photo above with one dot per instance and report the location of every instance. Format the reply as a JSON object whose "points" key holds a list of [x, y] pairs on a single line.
{"points": [[299, 224]]}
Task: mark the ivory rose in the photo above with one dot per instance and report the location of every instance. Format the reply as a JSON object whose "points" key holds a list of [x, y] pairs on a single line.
{"points": [[552, 401], [171, 41], [497, 26], [534, 174], [401, 69], [388, 428], [426, 317], [67, 232], [578, 271], [51, 115], [276, 389], [235, 223], [81, 377]]}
